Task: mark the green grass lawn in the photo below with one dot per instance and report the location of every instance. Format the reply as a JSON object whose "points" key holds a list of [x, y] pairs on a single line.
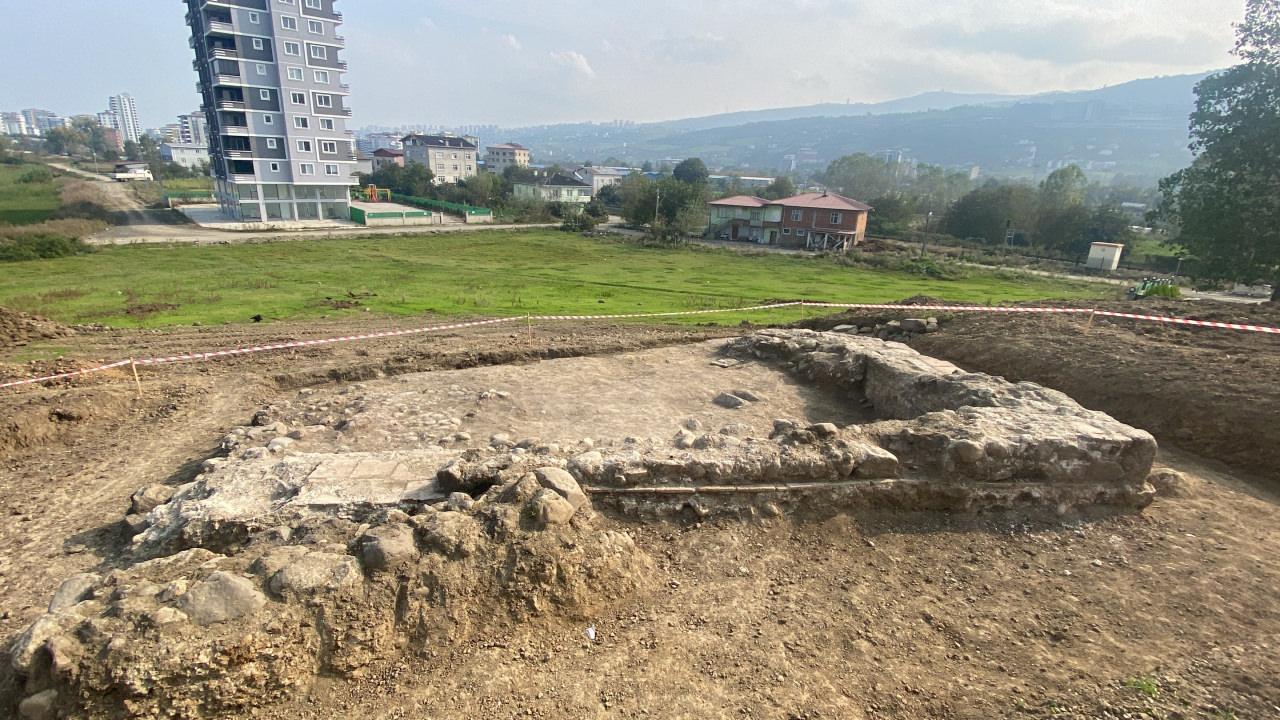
{"points": [[493, 273], [25, 203]]}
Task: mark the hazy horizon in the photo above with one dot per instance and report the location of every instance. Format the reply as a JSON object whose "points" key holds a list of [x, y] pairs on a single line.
{"points": [[515, 64]]}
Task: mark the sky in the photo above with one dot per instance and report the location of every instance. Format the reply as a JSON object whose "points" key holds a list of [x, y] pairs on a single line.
{"points": [[526, 62]]}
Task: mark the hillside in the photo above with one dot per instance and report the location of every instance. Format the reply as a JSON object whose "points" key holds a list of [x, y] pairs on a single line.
{"points": [[1135, 129]]}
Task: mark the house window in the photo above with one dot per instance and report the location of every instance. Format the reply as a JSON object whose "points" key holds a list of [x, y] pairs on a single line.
{"points": [[298, 98], [318, 52], [286, 2], [322, 77], [262, 69], [797, 215], [304, 146], [275, 167], [800, 232], [255, 18], [330, 169], [272, 144], [288, 22], [307, 169], [324, 101], [837, 218], [258, 44], [292, 48], [301, 123], [786, 231], [296, 73], [315, 4], [329, 147], [315, 27], [326, 123]]}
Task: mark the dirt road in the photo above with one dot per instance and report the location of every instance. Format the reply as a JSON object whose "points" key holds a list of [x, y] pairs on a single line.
{"points": [[1168, 613]]}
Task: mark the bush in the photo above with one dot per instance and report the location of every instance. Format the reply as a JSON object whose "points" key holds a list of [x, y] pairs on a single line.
{"points": [[581, 222], [1172, 292], [39, 247], [38, 174]]}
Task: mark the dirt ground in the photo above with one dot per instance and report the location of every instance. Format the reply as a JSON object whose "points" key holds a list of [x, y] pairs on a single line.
{"points": [[1171, 613]]}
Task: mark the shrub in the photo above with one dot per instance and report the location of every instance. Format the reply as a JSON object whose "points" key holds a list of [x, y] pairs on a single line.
{"points": [[581, 222], [37, 174], [39, 247]]}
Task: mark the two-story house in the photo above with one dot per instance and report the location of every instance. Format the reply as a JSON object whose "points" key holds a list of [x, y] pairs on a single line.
{"points": [[815, 221], [558, 188]]}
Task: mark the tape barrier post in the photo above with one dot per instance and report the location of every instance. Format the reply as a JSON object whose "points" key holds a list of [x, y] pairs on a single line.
{"points": [[137, 380], [1089, 326]]}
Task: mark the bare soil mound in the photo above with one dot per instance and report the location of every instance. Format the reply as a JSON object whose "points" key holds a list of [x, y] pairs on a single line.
{"points": [[19, 328]]}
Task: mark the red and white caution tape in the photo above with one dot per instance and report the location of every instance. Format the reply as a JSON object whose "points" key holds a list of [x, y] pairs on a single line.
{"points": [[553, 318]]}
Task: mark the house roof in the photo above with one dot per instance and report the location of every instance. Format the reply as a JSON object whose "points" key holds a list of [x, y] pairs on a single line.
{"points": [[741, 201], [441, 141], [388, 152], [508, 146], [824, 201], [562, 180]]}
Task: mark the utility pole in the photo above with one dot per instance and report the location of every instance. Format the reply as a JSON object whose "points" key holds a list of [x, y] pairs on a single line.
{"points": [[924, 246]]}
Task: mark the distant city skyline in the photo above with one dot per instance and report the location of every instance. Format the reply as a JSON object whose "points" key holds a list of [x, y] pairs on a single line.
{"points": [[508, 63]]}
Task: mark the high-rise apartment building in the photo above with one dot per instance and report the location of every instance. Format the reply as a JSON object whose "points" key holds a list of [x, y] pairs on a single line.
{"points": [[193, 129], [125, 110], [271, 79]]}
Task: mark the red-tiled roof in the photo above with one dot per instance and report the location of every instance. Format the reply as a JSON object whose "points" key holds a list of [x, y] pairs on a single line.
{"points": [[388, 152], [825, 201], [741, 201]]}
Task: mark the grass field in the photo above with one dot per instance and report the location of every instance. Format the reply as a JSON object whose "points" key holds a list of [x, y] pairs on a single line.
{"points": [[25, 203], [482, 273]]}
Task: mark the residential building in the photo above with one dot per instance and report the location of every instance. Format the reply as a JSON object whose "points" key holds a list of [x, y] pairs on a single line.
{"points": [[383, 157], [185, 154], [742, 182], [364, 166], [16, 124], [41, 121], [815, 221], [373, 142], [559, 188], [125, 111], [601, 177], [194, 129], [450, 158], [498, 158], [276, 107], [171, 133]]}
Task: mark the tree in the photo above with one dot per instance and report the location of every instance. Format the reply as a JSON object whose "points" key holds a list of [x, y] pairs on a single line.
{"points": [[412, 179], [1063, 188], [990, 211], [692, 172], [596, 209], [62, 140], [1225, 208], [782, 187], [609, 196], [519, 174], [860, 175], [892, 215]]}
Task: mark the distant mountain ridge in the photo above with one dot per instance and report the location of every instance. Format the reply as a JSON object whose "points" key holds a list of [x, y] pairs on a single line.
{"points": [[1137, 128]]}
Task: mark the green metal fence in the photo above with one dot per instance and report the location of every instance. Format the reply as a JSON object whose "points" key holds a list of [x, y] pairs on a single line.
{"points": [[442, 205]]}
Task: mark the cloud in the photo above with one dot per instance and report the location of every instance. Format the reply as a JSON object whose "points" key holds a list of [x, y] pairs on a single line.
{"points": [[427, 23], [512, 42], [576, 61]]}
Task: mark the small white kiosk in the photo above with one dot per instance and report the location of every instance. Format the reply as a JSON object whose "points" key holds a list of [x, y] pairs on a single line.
{"points": [[1105, 256]]}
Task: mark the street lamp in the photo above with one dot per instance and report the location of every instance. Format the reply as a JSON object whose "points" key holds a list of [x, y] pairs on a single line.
{"points": [[928, 219]]}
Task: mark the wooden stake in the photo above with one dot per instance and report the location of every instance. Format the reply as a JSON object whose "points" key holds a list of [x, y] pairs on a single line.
{"points": [[1089, 325], [137, 380]]}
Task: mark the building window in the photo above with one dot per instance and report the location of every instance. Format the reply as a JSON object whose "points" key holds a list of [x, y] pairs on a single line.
{"points": [[296, 73], [329, 147], [298, 98], [264, 94], [301, 123], [800, 232], [272, 144], [255, 18], [837, 218], [322, 77], [797, 215], [304, 146], [292, 48], [315, 4], [326, 123], [288, 22], [275, 167], [307, 169], [330, 169], [258, 44], [262, 69], [268, 120], [315, 27], [786, 231], [319, 52], [324, 101], [286, 2]]}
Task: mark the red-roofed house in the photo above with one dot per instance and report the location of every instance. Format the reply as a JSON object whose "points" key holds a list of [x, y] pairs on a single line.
{"points": [[815, 221]]}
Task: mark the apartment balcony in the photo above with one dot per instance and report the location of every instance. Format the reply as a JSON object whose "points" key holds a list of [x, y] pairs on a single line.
{"points": [[235, 80], [220, 27], [346, 111], [343, 87], [225, 53], [342, 65], [239, 154], [239, 130], [231, 105], [242, 177]]}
